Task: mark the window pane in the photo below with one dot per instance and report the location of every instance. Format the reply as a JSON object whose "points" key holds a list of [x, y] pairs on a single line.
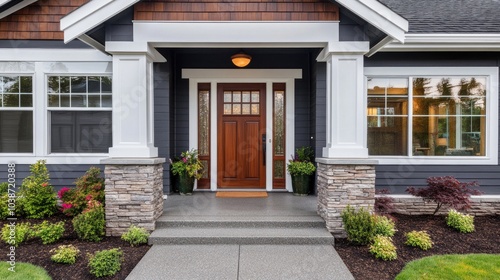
{"points": [[11, 100], [64, 85], [391, 86], [78, 101], [26, 100], [279, 122], [53, 100], [449, 86], [387, 135], [204, 123], [53, 84], [26, 85], [78, 84], [106, 84], [94, 85], [106, 101], [64, 100], [94, 101], [11, 84], [80, 132], [449, 106], [16, 135]]}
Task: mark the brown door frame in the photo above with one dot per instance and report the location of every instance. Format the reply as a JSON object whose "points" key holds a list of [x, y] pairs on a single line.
{"points": [[238, 183]]}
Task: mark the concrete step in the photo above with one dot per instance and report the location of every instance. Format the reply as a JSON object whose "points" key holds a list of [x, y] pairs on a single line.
{"points": [[241, 221], [241, 235]]}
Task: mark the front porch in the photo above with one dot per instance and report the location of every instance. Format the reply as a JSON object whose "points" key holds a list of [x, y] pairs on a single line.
{"points": [[281, 218]]}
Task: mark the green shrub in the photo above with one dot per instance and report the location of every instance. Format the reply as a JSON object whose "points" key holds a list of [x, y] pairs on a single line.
{"points": [[384, 226], [383, 248], [461, 222], [48, 232], [37, 198], [88, 187], [359, 225], [66, 254], [136, 235], [90, 224], [16, 234], [105, 262], [4, 200], [420, 239]]}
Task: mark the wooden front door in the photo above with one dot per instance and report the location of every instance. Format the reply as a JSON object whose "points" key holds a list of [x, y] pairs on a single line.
{"points": [[241, 135]]}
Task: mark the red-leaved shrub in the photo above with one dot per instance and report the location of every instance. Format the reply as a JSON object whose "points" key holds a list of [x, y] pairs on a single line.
{"points": [[383, 204], [446, 191]]}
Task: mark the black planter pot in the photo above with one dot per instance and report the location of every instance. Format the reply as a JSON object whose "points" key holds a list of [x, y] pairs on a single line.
{"points": [[300, 184], [185, 184]]}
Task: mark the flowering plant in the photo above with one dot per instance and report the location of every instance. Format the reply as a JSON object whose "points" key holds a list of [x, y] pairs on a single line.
{"points": [[88, 187], [189, 163]]}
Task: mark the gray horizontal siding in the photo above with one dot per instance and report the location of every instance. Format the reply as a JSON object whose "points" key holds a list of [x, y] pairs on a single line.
{"points": [[398, 177], [61, 175]]}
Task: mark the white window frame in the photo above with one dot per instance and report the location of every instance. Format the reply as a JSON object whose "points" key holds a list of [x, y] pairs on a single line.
{"points": [[40, 64], [492, 95]]}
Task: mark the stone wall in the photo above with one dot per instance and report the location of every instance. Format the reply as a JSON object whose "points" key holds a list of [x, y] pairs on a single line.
{"points": [[342, 183], [411, 205], [134, 194]]}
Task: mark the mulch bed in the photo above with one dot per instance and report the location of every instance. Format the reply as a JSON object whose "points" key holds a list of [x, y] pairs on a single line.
{"points": [[446, 241], [34, 252]]}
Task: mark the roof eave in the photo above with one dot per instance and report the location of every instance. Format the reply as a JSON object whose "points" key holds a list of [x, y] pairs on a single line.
{"points": [[15, 8], [425, 42]]}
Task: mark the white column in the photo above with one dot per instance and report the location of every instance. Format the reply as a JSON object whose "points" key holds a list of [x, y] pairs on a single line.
{"points": [[346, 101], [133, 131]]}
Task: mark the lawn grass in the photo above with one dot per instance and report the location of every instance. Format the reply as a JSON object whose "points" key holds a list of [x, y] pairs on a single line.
{"points": [[23, 271], [456, 267]]}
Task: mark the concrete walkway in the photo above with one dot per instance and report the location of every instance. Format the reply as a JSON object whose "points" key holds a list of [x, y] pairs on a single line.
{"points": [[203, 237], [241, 262]]}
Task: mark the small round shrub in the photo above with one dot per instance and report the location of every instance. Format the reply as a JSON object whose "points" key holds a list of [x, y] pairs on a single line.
{"points": [[49, 232], [90, 224], [384, 226], [461, 222], [136, 235], [66, 254], [383, 248], [16, 234], [4, 201], [106, 262], [359, 225], [420, 239]]}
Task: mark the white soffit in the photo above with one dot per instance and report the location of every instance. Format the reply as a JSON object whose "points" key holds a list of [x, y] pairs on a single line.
{"points": [[379, 16], [91, 15], [14, 8], [445, 42]]}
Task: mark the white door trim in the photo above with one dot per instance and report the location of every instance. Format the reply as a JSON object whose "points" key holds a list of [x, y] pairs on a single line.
{"points": [[267, 76]]}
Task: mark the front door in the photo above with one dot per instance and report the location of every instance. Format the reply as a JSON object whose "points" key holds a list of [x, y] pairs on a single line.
{"points": [[241, 128]]}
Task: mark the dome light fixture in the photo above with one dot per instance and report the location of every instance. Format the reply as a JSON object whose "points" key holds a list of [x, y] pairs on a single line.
{"points": [[241, 59]]}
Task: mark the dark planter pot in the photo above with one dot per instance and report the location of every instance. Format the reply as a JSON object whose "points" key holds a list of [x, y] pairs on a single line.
{"points": [[300, 184], [185, 184]]}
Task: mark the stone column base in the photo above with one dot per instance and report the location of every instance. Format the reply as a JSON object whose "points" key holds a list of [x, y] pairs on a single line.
{"points": [[343, 182], [133, 193]]}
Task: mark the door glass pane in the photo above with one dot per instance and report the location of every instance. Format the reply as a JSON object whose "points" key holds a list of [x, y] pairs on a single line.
{"points": [[255, 96], [204, 122], [236, 109], [245, 109], [204, 174], [255, 109], [227, 109], [245, 96], [227, 96], [279, 169], [237, 96], [279, 127]]}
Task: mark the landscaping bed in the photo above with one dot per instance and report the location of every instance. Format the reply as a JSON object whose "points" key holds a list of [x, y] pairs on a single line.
{"points": [[446, 240], [34, 252]]}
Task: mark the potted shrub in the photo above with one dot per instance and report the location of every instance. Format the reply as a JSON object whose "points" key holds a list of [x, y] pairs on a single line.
{"points": [[187, 169], [301, 169]]}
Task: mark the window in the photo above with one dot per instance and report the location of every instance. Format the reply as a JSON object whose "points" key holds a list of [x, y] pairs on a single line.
{"points": [[16, 114], [431, 116], [79, 113]]}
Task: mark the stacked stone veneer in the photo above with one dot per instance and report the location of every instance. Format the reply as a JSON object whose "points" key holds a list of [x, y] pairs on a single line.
{"points": [[134, 195], [341, 183], [482, 205]]}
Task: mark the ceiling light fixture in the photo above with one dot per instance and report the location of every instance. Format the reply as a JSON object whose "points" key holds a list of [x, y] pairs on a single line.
{"points": [[241, 59]]}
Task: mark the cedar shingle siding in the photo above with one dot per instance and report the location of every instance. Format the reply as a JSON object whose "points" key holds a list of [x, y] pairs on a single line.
{"points": [[214, 10], [38, 21]]}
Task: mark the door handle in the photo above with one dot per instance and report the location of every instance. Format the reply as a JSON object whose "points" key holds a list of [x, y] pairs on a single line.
{"points": [[264, 149]]}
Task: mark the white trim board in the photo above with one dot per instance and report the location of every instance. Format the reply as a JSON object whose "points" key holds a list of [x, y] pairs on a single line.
{"points": [[445, 42], [53, 55], [14, 8], [236, 33], [491, 157], [268, 76]]}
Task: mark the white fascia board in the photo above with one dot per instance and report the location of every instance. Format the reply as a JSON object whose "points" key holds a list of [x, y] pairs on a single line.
{"points": [[91, 15], [53, 55], [3, 2], [379, 16], [15, 8], [236, 33], [115, 47], [446, 42]]}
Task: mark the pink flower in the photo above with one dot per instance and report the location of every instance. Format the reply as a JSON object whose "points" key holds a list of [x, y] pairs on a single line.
{"points": [[61, 192], [88, 197], [45, 184], [184, 160], [66, 206]]}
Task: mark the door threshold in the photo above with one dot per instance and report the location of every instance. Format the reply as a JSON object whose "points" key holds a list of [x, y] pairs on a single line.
{"points": [[240, 190]]}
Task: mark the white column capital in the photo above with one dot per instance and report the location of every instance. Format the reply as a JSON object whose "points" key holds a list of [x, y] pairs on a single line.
{"points": [[134, 48], [343, 48], [346, 107]]}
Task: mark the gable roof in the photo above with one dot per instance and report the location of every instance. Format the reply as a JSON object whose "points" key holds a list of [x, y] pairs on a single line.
{"points": [[448, 16]]}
